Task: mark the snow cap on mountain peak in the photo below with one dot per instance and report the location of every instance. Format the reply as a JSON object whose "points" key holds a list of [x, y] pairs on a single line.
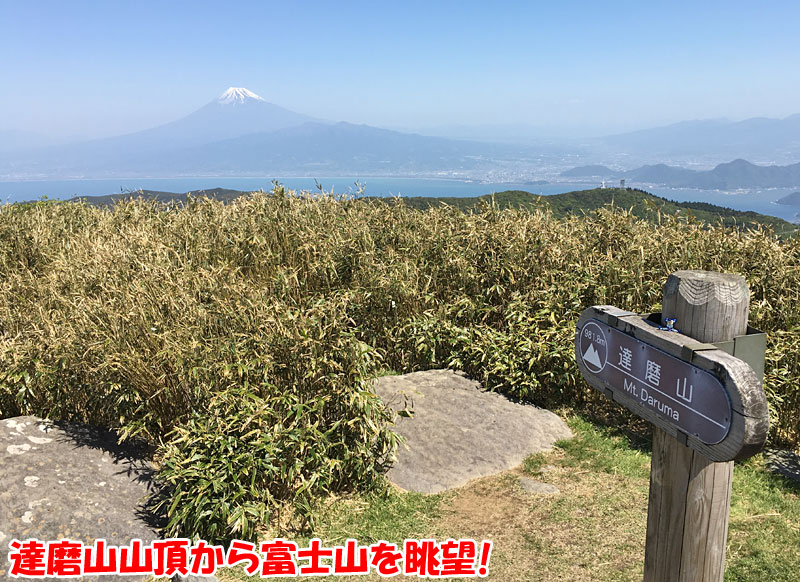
{"points": [[238, 95]]}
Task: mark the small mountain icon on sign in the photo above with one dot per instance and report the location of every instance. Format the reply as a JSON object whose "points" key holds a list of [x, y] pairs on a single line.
{"points": [[592, 357]]}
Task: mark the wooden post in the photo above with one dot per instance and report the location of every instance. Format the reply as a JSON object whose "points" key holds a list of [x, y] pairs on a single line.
{"points": [[687, 518]]}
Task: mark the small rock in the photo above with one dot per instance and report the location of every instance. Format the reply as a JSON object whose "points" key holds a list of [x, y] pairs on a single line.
{"points": [[532, 486], [783, 462]]}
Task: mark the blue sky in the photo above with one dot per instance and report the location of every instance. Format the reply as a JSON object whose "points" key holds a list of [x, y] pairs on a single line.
{"points": [[96, 68]]}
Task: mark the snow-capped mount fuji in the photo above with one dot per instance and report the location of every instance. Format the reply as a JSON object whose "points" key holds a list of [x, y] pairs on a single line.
{"points": [[237, 112], [238, 95]]}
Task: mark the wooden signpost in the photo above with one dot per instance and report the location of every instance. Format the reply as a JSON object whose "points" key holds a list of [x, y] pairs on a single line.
{"points": [[706, 401]]}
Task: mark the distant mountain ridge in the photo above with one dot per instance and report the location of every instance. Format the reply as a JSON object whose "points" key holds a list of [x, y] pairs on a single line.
{"points": [[758, 137], [792, 199], [728, 176]]}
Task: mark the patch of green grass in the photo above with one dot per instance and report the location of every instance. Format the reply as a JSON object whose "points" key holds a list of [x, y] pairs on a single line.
{"points": [[599, 449], [392, 516], [764, 531], [533, 464]]}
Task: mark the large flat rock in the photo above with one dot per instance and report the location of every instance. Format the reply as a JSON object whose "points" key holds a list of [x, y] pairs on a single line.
{"points": [[71, 481], [459, 432]]}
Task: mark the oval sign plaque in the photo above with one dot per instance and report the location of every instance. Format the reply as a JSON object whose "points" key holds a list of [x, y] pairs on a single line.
{"points": [[643, 377]]}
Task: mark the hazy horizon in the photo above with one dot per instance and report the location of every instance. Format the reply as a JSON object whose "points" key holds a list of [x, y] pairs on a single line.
{"points": [[85, 70]]}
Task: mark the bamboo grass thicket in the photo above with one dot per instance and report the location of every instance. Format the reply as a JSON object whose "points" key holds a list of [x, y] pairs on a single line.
{"points": [[241, 338]]}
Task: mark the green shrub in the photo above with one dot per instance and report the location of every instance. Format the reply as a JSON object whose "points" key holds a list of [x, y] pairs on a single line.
{"points": [[257, 448]]}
